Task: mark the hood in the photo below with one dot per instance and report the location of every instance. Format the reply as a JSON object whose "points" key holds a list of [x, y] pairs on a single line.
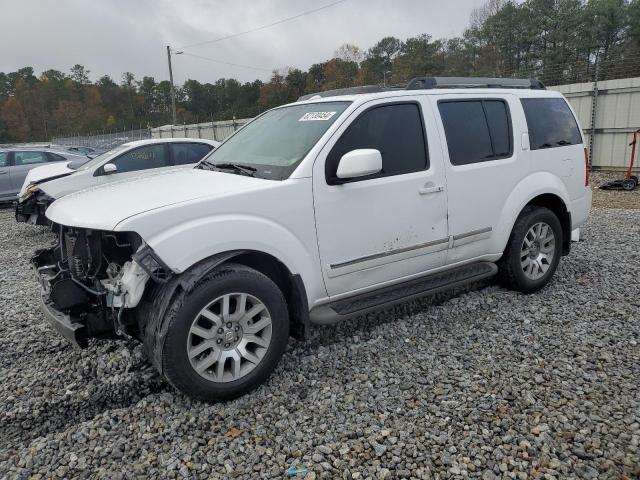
{"points": [[44, 173], [103, 207]]}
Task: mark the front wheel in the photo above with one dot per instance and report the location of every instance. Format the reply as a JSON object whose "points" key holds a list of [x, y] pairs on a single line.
{"points": [[226, 337], [533, 251]]}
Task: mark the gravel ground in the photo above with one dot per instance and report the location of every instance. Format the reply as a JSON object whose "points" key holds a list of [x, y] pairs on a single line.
{"points": [[479, 383]]}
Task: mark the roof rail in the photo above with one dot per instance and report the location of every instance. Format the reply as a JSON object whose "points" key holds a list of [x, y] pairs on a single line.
{"points": [[426, 83], [346, 91]]}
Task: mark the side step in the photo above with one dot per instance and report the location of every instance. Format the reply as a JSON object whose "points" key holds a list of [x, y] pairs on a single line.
{"points": [[360, 304]]}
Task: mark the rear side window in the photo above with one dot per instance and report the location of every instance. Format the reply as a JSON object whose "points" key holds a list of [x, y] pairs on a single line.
{"points": [[476, 130], [29, 158], [395, 130], [186, 153], [4, 159], [54, 157], [550, 122], [143, 158]]}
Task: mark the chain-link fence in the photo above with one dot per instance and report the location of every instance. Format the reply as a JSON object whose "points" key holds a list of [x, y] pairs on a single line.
{"points": [[104, 140]]}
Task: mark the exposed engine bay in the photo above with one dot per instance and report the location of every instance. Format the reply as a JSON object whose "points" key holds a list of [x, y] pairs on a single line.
{"points": [[91, 280]]}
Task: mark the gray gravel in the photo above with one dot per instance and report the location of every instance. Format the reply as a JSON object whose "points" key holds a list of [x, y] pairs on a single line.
{"points": [[479, 383]]}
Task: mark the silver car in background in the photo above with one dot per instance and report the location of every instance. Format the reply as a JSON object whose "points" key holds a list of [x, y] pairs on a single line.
{"points": [[43, 186], [17, 162]]}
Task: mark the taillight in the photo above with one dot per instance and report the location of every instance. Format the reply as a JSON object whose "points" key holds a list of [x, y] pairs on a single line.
{"points": [[586, 167]]}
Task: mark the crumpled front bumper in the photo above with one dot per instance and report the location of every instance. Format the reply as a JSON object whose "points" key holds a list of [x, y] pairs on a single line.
{"points": [[32, 210], [62, 323]]}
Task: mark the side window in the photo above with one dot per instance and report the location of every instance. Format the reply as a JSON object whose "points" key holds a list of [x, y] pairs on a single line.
{"points": [[395, 130], [143, 158], [4, 159], [29, 158], [54, 157], [476, 130], [186, 153], [550, 122]]}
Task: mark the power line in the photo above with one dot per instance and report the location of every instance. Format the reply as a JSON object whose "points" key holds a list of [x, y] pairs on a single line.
{"points": [[263, 69], [262, 27]]}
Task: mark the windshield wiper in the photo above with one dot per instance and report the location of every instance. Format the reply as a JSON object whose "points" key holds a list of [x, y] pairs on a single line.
{"points": [[243, 169], [246, 169]]}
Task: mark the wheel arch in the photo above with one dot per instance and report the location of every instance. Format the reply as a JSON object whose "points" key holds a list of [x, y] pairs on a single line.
{"points": [[290, 284], [541, 189], [152, 310], [559, 208]]}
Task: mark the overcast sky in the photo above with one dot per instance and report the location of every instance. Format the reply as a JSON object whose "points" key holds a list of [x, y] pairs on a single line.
{"points": [[114, 36]]}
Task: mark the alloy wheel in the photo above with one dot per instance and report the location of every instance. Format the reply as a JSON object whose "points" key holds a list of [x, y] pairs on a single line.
{"points": [[229, 337], [538, 250]]}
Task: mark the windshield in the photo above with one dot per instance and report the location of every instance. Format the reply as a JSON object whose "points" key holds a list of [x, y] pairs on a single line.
{"points": [[276, 142], [96, 161]]}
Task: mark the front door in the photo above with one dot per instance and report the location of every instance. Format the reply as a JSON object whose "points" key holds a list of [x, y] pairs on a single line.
{"points": [[389, 226], [130, 163]]}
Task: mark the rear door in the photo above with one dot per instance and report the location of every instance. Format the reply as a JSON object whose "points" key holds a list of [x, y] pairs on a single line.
{"points": [[23, 161], [484, 161], [188, 153], [6, 188]]}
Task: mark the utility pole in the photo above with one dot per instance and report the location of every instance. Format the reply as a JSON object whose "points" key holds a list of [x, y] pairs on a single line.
{"points": [[173, 91], [384, 77]]}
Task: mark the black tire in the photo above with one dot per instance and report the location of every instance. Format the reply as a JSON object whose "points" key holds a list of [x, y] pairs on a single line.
{"points": [[629, 184], [511, 273], [175, 364]]}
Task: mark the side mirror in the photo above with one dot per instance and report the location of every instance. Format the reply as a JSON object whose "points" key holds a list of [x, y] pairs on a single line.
{"points": [[109, 168], [359, 163]]}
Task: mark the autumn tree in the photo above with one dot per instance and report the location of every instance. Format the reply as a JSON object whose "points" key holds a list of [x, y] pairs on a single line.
{"points": [[558, 41]]}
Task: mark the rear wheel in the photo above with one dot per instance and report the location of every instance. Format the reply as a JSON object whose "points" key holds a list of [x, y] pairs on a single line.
{"points": [[629, 184], [533, 251], [226, 337]]}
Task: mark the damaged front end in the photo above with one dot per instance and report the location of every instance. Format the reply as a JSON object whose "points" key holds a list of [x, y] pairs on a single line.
{"points": [[32, 209], [91, 281]]}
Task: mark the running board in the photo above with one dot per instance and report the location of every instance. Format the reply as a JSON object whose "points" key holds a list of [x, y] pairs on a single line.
{"points": [[386, 297]]}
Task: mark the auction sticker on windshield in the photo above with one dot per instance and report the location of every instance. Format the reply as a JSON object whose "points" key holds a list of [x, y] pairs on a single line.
{"points": [[314, 116]]}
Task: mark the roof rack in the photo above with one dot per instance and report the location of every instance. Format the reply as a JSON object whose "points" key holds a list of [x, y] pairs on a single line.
{"points": [[426, 83], [346, 91]]}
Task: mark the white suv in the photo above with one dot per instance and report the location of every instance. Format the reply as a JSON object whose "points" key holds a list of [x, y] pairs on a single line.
{"points": [[315, 212]]}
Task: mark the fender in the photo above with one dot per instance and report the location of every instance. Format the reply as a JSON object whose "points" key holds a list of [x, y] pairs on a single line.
{"points": [[185, 244], [538, 183]]}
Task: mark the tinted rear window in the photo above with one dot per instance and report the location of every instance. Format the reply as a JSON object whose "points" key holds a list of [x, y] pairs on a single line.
{"points": [[186, 153], [476, 130], [551, 123], [54, 157]]}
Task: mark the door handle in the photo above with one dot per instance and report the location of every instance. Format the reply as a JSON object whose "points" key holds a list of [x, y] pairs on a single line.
{"points": [[431, 189], [2, 172]]}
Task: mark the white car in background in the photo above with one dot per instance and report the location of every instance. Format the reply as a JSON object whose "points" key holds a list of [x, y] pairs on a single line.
{"points": [[45, 184]]}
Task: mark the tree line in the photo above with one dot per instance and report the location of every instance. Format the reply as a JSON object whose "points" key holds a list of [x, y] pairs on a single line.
{"points": [[557, 41]]}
